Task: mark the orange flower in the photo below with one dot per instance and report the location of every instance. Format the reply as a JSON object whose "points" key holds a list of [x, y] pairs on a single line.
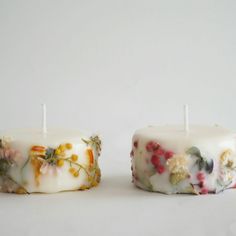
{"points": [[90, 156], [38, 149]]}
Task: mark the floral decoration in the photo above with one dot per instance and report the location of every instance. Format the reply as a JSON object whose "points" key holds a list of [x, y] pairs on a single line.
{"points": [[159, 156], [192, 166], [178, 169], [47, 159], [8, 159], [227, 168], [201, 161]]}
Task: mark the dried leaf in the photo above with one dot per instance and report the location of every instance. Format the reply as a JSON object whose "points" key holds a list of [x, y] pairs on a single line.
{"points": [[4, 166], [194, 151], [209, 166]]}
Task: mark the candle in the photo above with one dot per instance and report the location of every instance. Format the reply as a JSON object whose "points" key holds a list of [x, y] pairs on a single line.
{"points": [[48, 160], [164, 159]]}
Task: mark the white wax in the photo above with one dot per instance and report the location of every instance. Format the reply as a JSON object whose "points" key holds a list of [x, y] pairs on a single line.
{"points": [[214, 160], [175, 137], [57, 178]]}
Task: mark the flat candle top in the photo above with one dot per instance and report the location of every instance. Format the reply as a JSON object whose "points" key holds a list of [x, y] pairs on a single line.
{"points": [[36, 135], [177, 131]]}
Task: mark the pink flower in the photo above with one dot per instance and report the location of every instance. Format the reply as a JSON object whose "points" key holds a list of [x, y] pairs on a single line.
{"points": [[160, 152], [160, 169], [200, 176], [152, 146], [168, 155], [204, 191], [10, 154]]}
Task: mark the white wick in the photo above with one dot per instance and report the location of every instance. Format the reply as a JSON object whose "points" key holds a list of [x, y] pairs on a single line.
{"points": [[44, 119], [186, 120]]}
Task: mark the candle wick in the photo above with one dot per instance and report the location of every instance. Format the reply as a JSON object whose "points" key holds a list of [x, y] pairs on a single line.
{"points": [[44, 118], [186, 118]]}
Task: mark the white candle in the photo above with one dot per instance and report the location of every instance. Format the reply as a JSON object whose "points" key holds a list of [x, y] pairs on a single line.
{"points": [[60, 161], [164, 159]]}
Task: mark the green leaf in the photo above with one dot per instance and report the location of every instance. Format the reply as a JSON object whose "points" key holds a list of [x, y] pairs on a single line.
{"points": [[201, 164], [194, 151], [4, 167], [209, 166]]}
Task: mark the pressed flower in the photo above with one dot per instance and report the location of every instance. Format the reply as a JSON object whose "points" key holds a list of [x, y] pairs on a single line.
{"points": [[200, 176], [62, 148], [168, 155], [160, 169], [68, 146], [94, 142], [74, 157], [76, 174], [72, 170], [152, 146], [90, 156], [175, 178], [60, 162], [58, 151], [160, 152], [177, 163], [40, 149], [204, 191], [155, 160], [177, 166], [225, 155]]}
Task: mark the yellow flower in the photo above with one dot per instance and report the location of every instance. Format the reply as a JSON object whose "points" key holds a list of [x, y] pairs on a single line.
{"points": [[227, 159], [76, 174], [175, 178], [72, 170], [68, 146], [58, 151], [74, 157], [177, 166], [178, 163], [62, 148], [60, 162]]}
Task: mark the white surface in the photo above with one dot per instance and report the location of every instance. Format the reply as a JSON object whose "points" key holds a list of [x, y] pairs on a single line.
{"points": [[112, 67], [118, 208]]}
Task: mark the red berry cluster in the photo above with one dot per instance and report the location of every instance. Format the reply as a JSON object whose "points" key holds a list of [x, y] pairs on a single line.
{"points": [[201, 179], [159, 156], [134, 175]]}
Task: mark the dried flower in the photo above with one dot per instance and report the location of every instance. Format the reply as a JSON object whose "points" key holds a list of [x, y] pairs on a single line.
{"points": [[95, 142], [178, 163]]}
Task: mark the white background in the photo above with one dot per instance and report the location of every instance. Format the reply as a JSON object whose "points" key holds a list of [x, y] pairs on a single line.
{"points": [[111, 67]]}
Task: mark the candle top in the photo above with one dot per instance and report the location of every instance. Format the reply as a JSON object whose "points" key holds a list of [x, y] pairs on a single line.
{"points": [[36, 135], [177, 131]]}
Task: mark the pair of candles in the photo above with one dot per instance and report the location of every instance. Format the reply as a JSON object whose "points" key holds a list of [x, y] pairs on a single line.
{"points": [[167, 159]]}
